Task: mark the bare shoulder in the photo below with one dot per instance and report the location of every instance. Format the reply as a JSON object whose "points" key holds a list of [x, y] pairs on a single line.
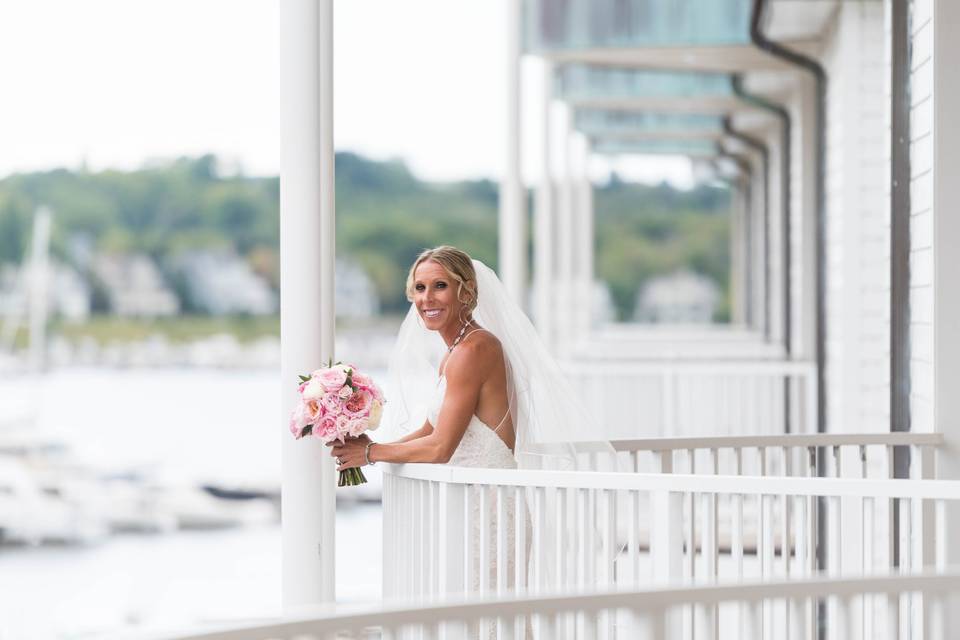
{"points": [[478, 355]]}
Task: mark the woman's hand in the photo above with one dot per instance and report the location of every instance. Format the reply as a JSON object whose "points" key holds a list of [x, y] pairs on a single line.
{"points": [[351, 453]]}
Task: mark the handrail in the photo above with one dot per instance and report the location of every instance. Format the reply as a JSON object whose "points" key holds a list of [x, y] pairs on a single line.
{"points": [[890, 439], [649, 601], [682, 483], [654, 366]]}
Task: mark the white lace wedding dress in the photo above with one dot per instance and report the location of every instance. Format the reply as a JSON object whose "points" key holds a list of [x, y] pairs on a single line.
{"points": [[482, 447]]}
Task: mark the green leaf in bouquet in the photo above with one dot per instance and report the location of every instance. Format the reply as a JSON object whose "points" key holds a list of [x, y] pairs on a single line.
{"points": [[304, 378], [307, 430]]}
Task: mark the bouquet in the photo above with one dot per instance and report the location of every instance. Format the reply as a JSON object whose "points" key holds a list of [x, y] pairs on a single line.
{"points": [[337, 403]]}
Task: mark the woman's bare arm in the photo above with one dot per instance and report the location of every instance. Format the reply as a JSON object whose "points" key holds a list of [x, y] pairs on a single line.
{"points": [[465, 373]]}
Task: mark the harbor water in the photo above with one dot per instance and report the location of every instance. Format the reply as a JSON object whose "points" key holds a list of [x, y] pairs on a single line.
{"points": [[184, 427]]}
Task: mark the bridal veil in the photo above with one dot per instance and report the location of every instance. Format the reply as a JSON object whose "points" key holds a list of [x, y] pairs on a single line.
{"points": [[548, 414]]}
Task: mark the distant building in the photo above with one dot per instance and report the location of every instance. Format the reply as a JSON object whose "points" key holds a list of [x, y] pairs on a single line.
{"points": [[134, 286], [69, 295], [681, 297], [355, 294], [223, 283]]}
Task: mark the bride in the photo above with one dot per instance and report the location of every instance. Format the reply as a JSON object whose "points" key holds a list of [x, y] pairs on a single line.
{"points": [[493, 395], [470, 421]]}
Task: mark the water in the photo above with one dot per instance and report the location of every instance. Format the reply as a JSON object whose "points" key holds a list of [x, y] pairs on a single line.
{"points": [[183, 425]]}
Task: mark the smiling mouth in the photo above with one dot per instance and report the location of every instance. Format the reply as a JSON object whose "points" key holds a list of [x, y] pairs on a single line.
{"points": [[432, 313]]}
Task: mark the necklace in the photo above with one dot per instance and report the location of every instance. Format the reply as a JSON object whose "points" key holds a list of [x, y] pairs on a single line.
{"points": [[459, 337]]}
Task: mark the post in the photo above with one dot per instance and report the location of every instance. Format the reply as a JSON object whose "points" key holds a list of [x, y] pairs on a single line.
{"points": [[585, 241], [512, 231], [935, 157], [566, 254], [306, 285], [543, 221], [666, 540]]}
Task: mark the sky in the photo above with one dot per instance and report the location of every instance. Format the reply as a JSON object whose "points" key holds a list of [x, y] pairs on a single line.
{"points": [[116, 83]]}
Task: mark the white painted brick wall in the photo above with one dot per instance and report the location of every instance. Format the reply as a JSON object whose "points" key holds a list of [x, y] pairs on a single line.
{"points": [[858, 257]]}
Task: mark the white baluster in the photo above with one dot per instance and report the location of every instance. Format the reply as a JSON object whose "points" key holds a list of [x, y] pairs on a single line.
{"points": [[520, 553], [453, 546], [484, 568], [607, 570]]}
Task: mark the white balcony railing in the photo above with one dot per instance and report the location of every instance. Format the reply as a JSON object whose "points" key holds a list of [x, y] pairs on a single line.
{"points": [[636, 614], [857, 455], [443, 524], [674, 398]]}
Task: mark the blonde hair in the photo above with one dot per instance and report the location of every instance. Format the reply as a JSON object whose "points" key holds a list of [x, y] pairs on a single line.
{"points": [[460, 267]]}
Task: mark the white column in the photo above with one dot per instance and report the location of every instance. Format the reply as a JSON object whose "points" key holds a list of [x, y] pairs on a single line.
{"points": [[585, 239], [543, 221], [775, 237], [804, 212], [306, 285], [566, 202], [512, 231], [737, 305], [757, 260], [945, 203]]}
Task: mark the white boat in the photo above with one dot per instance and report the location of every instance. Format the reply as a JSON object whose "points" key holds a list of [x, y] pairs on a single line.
{"points": [[33, 514]]}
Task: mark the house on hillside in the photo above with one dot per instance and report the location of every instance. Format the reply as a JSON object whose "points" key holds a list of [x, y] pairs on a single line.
{"points": [[681, 297], [223, 283], [134, 286]]}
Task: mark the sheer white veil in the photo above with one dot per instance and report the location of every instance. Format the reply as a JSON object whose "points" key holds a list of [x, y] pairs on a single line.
{"points": [[548, 414]]}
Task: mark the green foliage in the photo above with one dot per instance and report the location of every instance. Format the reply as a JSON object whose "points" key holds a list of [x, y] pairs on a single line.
{"points": [[644, 231], [385, 217]]}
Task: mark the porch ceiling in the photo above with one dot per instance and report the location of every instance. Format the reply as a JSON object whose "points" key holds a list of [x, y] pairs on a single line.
{"points": [[726, 59], [620, 146], [684, 104]]}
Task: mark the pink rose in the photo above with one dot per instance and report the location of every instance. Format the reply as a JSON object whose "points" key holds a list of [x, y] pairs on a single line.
{"points": [[358, 405], [331, 379], [342, 427], [326, 428], [331, 403], [298, 420], [314, 410], [344, 392], [362, 380], [357, 426]]}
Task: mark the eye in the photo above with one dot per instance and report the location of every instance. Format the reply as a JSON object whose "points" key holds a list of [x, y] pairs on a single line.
{"points": [[419, 287], [441, 285]]}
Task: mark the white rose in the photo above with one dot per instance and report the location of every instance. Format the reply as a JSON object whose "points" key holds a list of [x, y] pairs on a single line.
{"points": [[376, 410], [313, 390]]}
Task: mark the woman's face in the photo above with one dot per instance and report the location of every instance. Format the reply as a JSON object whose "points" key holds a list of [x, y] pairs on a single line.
{"points": [[435, 295]]}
